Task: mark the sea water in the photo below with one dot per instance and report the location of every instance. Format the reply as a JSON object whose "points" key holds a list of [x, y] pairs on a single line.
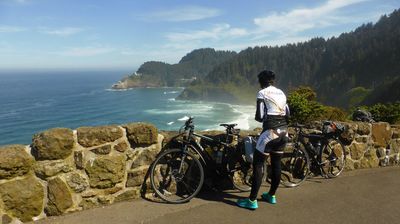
{"points": [[31, 102]]}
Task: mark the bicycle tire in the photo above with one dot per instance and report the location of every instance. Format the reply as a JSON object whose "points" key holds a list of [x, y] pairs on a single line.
{"points": [[332, 158], [171, 185], [295, 165]]}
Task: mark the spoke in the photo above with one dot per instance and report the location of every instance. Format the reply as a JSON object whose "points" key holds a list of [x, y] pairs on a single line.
{"points": [[188, 187]]}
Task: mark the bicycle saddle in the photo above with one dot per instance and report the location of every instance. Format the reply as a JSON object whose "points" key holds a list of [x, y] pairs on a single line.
{"points": [[228, 125]]}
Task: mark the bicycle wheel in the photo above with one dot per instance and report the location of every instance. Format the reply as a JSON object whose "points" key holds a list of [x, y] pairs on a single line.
{"points": [[242, 175], [176, 176], [332, 158], [295, 165]]}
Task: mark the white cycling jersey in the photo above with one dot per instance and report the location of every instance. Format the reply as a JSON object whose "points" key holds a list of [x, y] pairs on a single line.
{"points": [[274, 104], [274, 101]]}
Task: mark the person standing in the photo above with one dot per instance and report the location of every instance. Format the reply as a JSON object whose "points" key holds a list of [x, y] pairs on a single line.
{"points": [[273, 111]]}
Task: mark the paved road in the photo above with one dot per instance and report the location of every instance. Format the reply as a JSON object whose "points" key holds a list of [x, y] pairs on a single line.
{"points": [[363, 196]]}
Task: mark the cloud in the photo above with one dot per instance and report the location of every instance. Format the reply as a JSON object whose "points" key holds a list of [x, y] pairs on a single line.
{"points": [[19, 2], [218, 31], [11, 29], [86, 51], [63, 32], [299, 20], [129, 52], [184, 13], [6, 47]]}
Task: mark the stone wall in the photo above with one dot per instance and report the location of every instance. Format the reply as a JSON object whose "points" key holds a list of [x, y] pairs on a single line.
{"points": [[369, 144], [67, 170]]}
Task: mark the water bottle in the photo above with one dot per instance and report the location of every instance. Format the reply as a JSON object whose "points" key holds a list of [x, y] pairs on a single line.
{"points": [[209, 150], [310, 147], [218, 158], [249, 147], [397, 159], [314, 147], [386, 160], [317, 147]]}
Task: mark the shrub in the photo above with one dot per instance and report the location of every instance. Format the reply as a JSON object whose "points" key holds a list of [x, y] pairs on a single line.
{"points": [[334, 114], [303, 105], [389, 112]]}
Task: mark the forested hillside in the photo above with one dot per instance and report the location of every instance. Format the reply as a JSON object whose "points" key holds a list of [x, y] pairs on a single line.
{"points": [[361, 66], [197, 63]]}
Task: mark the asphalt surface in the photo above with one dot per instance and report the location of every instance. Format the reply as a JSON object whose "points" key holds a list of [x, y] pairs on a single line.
{"points": [[362, 196]]}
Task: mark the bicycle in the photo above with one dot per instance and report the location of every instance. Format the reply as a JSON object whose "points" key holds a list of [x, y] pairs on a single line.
{"points": [[315, 153], [177, 174]]}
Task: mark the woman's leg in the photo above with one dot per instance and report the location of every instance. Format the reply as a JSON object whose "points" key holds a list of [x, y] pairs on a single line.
{"points": [[258, 164], [276, 172]]}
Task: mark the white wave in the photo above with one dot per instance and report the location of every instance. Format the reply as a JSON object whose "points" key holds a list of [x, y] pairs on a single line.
{"points": [[39, 104], [116, 90], [245, 118], [42, 104], [185, 118], [121, 90], [171, 92], [171, 99], [197, 110], [170, 123], [9, 114], [157, 111], [215, 128]]}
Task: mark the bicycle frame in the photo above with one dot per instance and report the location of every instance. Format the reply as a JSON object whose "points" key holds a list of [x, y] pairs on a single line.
{"points": [[173, 166], [189, 141], [312, 139], [194, 145]]}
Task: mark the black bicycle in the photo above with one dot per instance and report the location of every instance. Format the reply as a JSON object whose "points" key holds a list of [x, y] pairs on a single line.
{"points": [[177, 174], [313, 153]]}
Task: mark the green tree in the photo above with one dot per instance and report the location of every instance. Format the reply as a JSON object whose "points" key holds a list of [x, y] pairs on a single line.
{"points": [[389, 112], [334, 114], [303, 105], [342, 70]]}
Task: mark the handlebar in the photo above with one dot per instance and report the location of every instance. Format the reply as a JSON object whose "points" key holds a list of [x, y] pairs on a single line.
{"points": [[188, 128]]}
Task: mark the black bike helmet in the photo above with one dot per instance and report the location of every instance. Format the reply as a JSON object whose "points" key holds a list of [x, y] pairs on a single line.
{"points": [[266, 77]]}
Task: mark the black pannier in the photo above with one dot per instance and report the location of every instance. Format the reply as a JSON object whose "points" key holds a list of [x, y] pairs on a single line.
{"points": [[330, 128], [362, 115]]}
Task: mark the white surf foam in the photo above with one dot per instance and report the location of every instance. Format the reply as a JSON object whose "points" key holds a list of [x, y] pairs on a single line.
{"points": [[245, 117], [185, 118], [120, 90], [171, 92]]}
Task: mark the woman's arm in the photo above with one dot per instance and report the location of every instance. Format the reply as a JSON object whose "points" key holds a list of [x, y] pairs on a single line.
{"points": [[260, 110], [287, 114]]}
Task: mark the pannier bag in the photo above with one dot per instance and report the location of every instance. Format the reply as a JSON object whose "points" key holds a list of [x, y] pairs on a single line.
{"points": [[362, 115], [331, 128], [249, 148]]}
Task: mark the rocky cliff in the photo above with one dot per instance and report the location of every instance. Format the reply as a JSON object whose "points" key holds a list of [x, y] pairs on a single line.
{"points": [[192, 66]]}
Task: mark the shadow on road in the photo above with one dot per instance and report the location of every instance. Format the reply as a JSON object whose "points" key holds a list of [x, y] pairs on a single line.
{"points": [[219, 196]]}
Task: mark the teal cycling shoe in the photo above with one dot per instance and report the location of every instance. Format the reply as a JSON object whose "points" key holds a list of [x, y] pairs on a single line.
{"points": [[268, 198], [247, 203]]}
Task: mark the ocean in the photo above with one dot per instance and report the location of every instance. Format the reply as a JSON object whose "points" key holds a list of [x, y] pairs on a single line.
{"points": [[31, 102]]}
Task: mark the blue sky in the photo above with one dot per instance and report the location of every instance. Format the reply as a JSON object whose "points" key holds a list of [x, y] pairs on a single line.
{"points": [[122, 34]]}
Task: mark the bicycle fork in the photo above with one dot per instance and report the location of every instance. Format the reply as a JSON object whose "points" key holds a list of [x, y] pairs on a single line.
{"points": [[183, 159], [178, 175]]}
